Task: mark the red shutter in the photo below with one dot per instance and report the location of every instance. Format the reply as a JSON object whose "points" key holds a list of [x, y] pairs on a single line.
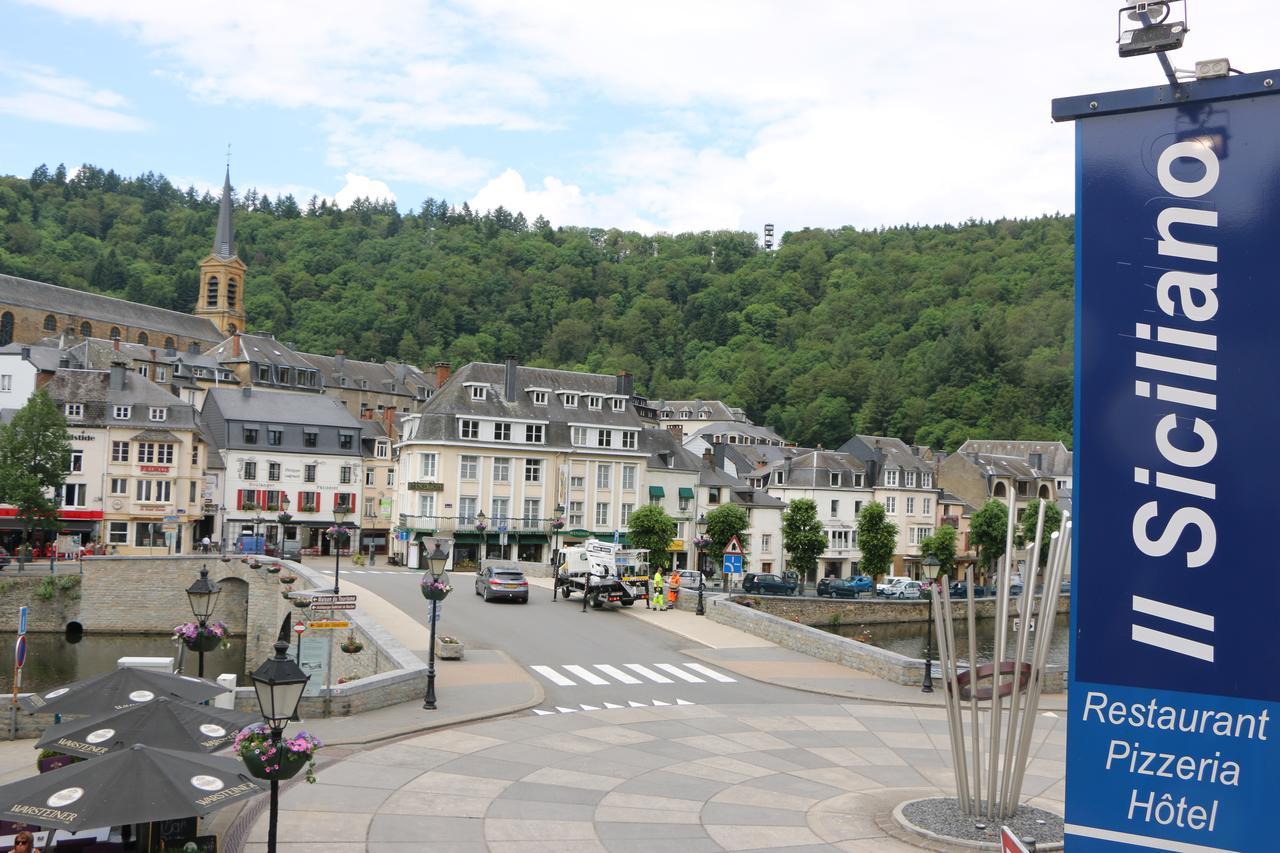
{"points": [[262, 499], [239, 498]]}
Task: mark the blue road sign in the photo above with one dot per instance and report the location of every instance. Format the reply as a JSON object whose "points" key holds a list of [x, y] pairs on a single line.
{"points": [[22, 619], [1174, 699], [20, 651], [733, 564]]}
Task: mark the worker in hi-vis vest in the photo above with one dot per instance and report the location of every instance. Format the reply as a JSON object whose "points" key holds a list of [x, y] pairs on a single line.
{"points": [[658, 602], [673, 589]]}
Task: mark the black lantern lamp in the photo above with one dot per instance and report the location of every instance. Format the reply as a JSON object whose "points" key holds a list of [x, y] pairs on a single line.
{"points": [[436, 560], [203, 595], [279, 683], [482, 524]]}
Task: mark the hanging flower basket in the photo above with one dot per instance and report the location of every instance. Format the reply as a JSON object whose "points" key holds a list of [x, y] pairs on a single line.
{"points": [[351, 645], [557, 523], [287, 594], [255, 565], [274, 568], [198, 639], [264, 760], [434, 590], [301, 603], [288, 579]]}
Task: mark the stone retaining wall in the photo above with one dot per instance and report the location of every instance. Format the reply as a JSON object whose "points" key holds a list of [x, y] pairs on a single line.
{"points": [[870, 610], [44, 614], [881, 663], [532, 570]]}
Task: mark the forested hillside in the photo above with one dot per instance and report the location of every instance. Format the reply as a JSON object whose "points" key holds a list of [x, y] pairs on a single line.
{"points": [[933, 334]]}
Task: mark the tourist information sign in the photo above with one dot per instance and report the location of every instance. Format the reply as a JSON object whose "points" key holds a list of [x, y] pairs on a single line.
{"points": [[1174, 697]]}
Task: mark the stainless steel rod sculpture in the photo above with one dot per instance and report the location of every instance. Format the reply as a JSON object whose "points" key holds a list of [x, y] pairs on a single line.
{"points": [[1030, 648]]}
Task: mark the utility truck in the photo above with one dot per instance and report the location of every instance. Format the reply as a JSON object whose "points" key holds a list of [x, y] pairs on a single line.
{"points": [[604, 572]]}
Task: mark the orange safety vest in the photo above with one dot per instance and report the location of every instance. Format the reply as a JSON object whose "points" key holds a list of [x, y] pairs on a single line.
{"points": [[673, 586]]}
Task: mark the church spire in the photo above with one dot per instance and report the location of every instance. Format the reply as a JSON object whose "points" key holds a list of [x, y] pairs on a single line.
{"points": [[224, 245]]}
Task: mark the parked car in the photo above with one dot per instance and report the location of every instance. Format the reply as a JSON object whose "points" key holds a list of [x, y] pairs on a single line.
{"points": [[689, 578], [771, 584], [500, 582], [890, 583], [845, 587], [292, 551], [906, 589], [959, 589]]}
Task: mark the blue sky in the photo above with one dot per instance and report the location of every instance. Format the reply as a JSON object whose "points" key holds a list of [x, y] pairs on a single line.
{"points": [[657, 116]]}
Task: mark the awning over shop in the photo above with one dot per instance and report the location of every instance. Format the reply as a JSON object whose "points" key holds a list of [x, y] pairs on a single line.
{"points": [[686, 493], [656, 492]]}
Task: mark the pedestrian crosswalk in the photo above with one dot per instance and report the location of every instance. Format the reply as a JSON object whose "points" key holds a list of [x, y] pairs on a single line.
{"points": [[601, 674], [610, 706]]}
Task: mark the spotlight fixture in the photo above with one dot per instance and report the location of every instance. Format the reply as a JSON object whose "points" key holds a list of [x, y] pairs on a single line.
{"points": [[1157, 29]]}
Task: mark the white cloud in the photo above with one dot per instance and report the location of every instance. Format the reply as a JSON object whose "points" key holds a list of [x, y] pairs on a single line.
{"points": [[402, 159], [358, 187], [40, 93], [560, 203]]}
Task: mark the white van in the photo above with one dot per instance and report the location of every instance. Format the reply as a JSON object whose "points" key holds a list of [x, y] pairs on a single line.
{"points": [[890, 586]]}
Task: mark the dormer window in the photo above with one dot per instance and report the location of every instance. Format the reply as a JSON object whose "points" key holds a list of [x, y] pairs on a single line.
{"points": [[121, 413], [157, 413], [342, 382], [703, 415], [477, 392], [74, 411], [364, 384], [571, 401], [619, 405], [468, 428], [684, 416], [835, 479], [539, 398], [665, 414], [909, 479], [285, 375], [926, 480], [777, 478], [594, 402], [264, 373], [382, 449], [891, 477]]}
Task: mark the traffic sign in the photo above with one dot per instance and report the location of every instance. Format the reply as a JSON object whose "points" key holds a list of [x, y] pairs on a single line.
{"points": [[1010, 843], [1175, 350], [330, 598], [20, 651], [299, 626], [733, 564], [22, 619], [329, 625], [333, 605], [734, 546]]}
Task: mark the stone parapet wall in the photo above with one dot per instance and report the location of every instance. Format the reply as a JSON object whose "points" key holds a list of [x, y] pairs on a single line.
{"points": [[881, 663], [532, 570], [870, 610]]}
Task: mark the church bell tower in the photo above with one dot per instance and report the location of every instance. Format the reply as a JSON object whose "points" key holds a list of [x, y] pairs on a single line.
{"points": [[221, 296]]}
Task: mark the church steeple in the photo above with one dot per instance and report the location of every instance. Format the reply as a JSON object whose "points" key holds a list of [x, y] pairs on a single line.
{"points": [[224, 242], [221, 296]]}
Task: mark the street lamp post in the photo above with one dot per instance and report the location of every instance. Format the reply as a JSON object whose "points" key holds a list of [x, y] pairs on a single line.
{"points": [[701, 541], [931, 571], [203, 595], [557, 524], [435, 564], [278, 683], [258, 521], [339, 516], [482, 524]]}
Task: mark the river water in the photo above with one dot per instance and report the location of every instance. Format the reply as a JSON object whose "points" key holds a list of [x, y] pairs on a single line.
{"points": [[52, 660], [908, 638]]}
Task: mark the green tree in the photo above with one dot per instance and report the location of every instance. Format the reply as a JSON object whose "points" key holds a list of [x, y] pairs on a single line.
{"points": [[723, 523], [1027, 527], [34, 457], [877, 540], [802, 535], [988, 530], [942, 547], [650, 527]]}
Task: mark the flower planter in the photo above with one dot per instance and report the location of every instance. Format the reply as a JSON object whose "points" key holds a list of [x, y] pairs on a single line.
{"points": [[53, 762], [286, 594], [352, 648], [449, 651], [434, 594], [203, 642], [274, 568], [290, 764], [288, 579], [255, 565], [301, 603]]}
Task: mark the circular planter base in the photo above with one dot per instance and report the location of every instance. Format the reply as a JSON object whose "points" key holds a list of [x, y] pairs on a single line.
{"points": [[940, 819]]}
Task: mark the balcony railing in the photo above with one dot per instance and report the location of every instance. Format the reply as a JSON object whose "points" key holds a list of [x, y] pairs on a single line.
{"points": [[467, 524]]}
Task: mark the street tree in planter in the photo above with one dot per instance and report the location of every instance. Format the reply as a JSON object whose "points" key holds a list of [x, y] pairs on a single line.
{"points": [[942, 547], [650, 527], [1027, 531], [803, 537], [34, 457], [877, 539], [987, 531]]}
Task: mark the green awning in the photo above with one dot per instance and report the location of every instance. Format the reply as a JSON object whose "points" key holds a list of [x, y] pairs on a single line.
{"points": [[686, 493], [656, 492]]}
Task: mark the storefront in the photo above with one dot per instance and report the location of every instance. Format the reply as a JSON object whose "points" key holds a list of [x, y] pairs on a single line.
{"points": [[76, 528]]}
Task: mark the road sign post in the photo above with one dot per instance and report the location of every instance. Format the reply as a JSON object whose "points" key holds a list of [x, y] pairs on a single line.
{"points": [[1171, 730]]}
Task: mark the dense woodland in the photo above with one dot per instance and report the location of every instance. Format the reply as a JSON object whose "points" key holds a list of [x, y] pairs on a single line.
{"points": [[931, 333]]}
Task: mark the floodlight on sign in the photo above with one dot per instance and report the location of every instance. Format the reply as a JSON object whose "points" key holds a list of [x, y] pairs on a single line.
{"points": [[1157, 29]]}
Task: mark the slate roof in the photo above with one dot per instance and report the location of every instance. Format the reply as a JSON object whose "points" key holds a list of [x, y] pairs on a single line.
{"points": [[104, 309], [1054, 456], [260, 349], [403, 378], [92, 389], [224, 240], [665, 453], [282, 407], [715, 410], [453, 400], [812, 470], [44, 358], [1005, 466], [761, 433], [888, 452]]}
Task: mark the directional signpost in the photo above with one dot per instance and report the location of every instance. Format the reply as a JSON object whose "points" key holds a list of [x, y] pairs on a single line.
{"points": [[1174, 696], [732, 560], [332, 602]]}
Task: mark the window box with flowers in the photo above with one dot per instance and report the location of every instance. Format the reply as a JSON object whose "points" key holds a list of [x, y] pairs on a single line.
{"points": [[249, 506], [307, 506], [213, 635], [265, 760]]}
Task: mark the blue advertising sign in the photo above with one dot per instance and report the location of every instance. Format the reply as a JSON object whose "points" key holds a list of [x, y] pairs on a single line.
{"points": [[733, 564], [1174, 696]]}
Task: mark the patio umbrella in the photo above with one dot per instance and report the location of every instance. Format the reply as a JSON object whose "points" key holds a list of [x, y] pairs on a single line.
{"points": [[117, 690], [165, 723], [135, 785]]}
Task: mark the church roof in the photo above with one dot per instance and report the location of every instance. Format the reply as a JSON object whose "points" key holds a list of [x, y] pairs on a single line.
{"points": [[104, 309], [224, 242]]}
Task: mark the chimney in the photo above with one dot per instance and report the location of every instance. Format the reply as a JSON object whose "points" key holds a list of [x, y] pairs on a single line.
{"points": [[442, 373], [116, 344], [26, 353], [677, 430], [247, 391], [116, 380], [626, 383], [389, 421], [708, 458], [509, 386], [193, 348], [402, 370], [235, 344], [339, 360]]}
